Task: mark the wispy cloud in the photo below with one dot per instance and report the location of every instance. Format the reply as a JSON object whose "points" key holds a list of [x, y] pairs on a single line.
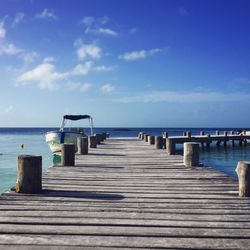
{"points": [[98, 26], [2, 30], [107, 88], [103, 68], [140, 54], [83, 87], [183, 97], [84, 50], [8, 109], [18, 18], [46, 14], [82, 69], [29, 57], [183, 12], [44, 76], [9, 49]]}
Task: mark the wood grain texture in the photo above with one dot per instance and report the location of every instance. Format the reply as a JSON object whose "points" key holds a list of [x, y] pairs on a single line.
{"points": [[127, 194]]}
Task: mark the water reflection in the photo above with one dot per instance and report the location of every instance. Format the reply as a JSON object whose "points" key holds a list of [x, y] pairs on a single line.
{"points": [[56, 159]]}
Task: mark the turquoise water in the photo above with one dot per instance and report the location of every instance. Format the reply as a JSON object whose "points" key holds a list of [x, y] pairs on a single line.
{"points": [[224, 159]]}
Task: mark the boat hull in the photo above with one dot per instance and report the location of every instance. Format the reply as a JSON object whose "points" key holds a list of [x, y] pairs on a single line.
{"points": [[55, 139]]}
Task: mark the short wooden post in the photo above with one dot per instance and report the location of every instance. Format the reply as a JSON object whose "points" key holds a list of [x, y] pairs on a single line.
{"points": [[92, 141], [29, 176], [82, 145], [140, 135], [104, 136], [151, 140], [188, 134], [208, 142], [184, 133], [191, 154], [170, 146], [225, 141], [202, 133], [164, 143], [243, 172], [98, 138], [158, 142], [217, 132], [68, 154]]}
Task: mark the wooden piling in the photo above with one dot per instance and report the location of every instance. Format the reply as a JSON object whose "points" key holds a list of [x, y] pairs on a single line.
{"points": [[202, 133], [151, 140], [243, 172], [158, 142], [217, 132], [82, 145], [98, 138], [170, 146], [165, 134], [188, 134], [68, 154], [191, 154], [92, 141], [29, 176]]}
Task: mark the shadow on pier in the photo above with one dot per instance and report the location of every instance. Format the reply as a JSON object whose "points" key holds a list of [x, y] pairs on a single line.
{"points": [[80, 194]]}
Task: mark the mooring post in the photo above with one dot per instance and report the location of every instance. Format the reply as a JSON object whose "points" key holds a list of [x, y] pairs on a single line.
{"points": [[184, 133], [145, 137], [232, 133], [92, 141], [191, 154], [139, 135], [188, 134], [151, 140], [243, 172], [208, 141], [29, 176], [68, 154], [170, 146], [217, 132], [98, 138], [202, 133], [225, 141], [158, 142], [82, 145]]}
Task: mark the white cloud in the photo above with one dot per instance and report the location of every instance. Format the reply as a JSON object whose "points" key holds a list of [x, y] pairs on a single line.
{"points": [[141, 54], [2, 30], [87, 50], [29, 57], [96, 26], [106, 31], [44, 76], [49, 59], [183, 97], [183, 12], [107, 88], [82, 69], [103, 68], [8, 109], [9, 49], [46, 14], [18, 18], [83, 87]]}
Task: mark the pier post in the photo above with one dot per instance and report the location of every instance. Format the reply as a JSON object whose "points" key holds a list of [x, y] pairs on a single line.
{"points": [[29, 176], [188, 134], [146, 137], [92, 141], [208, 142], [184, 133], [243, 172], [217, 132], [191, 154], [232, 133], [202, 133], [140, 135], [82, 145], [225, 141], [68, 154], [98, 138], [158, 142], [151, 140], [170, 146]]}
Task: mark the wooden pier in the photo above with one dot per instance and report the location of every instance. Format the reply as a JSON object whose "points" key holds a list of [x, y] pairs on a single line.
{"points": [[205, 140], [127, 194]]}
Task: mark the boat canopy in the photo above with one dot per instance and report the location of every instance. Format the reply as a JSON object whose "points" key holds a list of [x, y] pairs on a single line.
{"points": [[76, 117]]}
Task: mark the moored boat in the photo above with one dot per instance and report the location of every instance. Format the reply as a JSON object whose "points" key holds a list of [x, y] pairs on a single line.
{"points": [[55, 139]]}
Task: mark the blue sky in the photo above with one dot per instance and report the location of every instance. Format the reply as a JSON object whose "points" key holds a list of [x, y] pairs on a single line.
{"points": [[145, 63]]}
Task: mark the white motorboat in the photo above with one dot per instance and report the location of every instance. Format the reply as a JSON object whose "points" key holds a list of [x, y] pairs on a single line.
{"points": [[55, 139]]}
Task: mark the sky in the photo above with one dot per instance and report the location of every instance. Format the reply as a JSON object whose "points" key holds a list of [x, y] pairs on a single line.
{"points": [[144, 63]]}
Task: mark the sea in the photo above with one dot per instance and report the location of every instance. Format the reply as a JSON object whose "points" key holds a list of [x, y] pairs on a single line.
{"points": [[31, 141]]}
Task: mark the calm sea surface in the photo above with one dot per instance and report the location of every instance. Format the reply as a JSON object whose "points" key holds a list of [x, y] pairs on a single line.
{"points": [[224, 159]]}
